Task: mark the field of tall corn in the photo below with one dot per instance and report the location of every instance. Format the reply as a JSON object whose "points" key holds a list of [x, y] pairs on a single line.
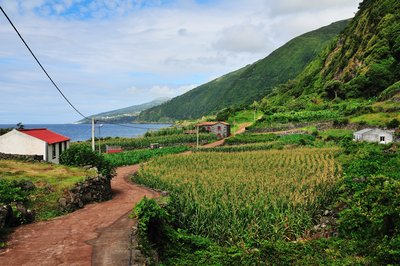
{"points": [[244, 197]]}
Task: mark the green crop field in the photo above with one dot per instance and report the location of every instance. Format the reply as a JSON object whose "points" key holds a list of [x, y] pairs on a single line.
{"points": [[137, 156], [241, 197]]}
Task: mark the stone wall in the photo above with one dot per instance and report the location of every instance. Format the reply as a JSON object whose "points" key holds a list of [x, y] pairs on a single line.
{"points": [[25, 158], [93, 189]]}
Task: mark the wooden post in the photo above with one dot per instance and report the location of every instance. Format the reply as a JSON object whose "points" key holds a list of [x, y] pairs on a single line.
{"points": [[197, 133]]}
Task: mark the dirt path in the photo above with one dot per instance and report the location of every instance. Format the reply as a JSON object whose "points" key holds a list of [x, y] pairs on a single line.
{"points": [[98, 233], [242, 128]]}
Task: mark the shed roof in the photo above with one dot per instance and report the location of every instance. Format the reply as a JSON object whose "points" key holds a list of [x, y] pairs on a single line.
{"points": [[362, 131], [212, 124], [374, 131], [44, 134]]}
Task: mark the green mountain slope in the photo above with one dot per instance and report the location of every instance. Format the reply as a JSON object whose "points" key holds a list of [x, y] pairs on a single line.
{"points": [[363, 63], [125, 115], [249, 83]]}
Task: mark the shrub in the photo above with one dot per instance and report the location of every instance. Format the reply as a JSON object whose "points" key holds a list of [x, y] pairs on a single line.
{"points": [[394, 123], [79, 155], [340, 122], [11, 192]]}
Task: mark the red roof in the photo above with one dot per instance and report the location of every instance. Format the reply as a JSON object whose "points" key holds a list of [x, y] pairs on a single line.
{"points": [[44, 134]]}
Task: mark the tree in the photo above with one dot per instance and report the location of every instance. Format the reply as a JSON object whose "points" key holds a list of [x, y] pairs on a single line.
{"points": [[20, 125]]}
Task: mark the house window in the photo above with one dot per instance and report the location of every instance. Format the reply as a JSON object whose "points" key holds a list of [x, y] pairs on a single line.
{"points": [[382, 139], [208, 128], [219, 128], [54, 146], [60, 147]]}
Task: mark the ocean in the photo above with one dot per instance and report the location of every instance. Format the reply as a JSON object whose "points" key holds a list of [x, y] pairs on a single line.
{"points": [[80, 132]]}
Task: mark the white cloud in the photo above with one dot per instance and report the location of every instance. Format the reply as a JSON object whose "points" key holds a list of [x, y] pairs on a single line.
{"points": [[243, 38], [142, 43]]}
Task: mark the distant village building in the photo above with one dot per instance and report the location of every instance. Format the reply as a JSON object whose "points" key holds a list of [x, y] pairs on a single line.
{"points": [[40, 141], [374, 135], [221, 129]]}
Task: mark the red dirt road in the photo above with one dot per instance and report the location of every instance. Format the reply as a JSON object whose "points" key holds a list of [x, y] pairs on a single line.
{"points": [[81, 237]]}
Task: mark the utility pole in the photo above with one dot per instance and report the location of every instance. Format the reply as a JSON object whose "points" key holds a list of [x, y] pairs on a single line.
{"points": [[93, 147], [197, 133], [99, 138]]}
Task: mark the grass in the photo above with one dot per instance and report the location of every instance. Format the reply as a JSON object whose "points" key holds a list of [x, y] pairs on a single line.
{"points": [[50, 180], [336, 133], [243, 117], [236, 198], [375, 119]]}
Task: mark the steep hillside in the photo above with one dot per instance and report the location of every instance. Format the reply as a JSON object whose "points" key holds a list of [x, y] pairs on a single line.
{"points": [[363, 63], [249, 83], [125, 115]]}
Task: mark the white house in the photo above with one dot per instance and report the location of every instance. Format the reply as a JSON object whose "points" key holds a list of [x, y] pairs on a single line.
{"points": [[40, 141], [221, 129], [374, 135]]}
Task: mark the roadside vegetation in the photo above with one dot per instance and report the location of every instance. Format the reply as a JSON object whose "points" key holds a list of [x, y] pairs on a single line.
{"points": [[40, 185]]}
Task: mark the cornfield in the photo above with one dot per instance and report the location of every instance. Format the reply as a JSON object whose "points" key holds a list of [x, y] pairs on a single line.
{"points": [[247, 196]]}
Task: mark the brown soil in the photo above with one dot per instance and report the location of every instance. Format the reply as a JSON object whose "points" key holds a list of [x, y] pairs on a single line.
{"points": [[98, 234]]}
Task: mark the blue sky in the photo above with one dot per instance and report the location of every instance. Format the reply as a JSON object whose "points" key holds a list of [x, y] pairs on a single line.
{"points": [[110, 54]]}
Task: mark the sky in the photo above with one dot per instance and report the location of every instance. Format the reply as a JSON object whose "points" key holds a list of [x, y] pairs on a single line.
{"points": [[110, 54]]}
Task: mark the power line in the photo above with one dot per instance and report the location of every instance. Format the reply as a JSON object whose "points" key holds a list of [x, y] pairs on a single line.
{"points": [[55, 85], [44, 70]]}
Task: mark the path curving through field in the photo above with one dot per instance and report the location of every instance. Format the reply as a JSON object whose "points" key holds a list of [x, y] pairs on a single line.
{"points": [[98, 234]]}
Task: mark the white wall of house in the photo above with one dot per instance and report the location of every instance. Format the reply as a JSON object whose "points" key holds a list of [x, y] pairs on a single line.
{"points": [[378, 136], [15, 142], [54, 151]]}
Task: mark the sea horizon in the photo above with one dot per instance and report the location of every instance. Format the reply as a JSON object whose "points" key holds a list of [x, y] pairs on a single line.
{"points": [[83, 132]]}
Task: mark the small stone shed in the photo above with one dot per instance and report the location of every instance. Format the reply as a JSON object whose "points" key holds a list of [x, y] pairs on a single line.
{"points": [[374, 135], [221, 129], [40, 141]]}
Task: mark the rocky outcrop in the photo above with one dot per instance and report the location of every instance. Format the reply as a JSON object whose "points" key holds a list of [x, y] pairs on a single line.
{"points": [[25, 158], [93, 189]]}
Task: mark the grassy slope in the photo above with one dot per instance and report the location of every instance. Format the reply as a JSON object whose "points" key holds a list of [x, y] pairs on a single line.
{"points": [[364, 63], [50, 180], [249, 83]]}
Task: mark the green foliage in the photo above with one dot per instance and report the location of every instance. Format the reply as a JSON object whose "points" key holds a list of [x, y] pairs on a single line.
{"points": [[394, 123], [152, 225], [5, 130], [11, 191], [251, 138], [301, 116], [250, 83], [163, 140], [391, 90], [164, 132], [79, 155], [138, 156]]}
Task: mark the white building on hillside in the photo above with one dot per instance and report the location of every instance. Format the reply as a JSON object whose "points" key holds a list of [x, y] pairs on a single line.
{"points": [[40, 141], [374, 135]]}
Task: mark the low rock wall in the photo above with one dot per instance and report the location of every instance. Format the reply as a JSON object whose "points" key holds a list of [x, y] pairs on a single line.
{"points": [[26, 158], [93, 189]]}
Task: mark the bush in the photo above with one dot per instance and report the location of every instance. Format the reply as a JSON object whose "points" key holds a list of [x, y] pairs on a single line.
{"points": [[11, 192], [340, 122], [373, 216], [79, 155], [393, 124]]}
